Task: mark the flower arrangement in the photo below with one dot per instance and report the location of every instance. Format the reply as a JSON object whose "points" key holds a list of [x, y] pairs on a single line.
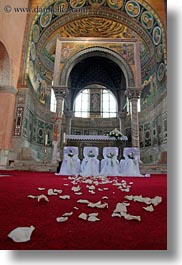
{"points": [[110, 155], [131, 155], [70, 154], [90, 154], [115, 133]]}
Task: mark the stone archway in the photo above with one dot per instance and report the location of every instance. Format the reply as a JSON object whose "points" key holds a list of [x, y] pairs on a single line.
{"points": [[97, 51], [133, 81]]}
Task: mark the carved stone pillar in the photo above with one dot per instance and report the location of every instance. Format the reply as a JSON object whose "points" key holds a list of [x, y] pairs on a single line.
{"points": [[60, 93], [133, 96], [69, 116], [55, 153], [57, 129], [122, 119]]}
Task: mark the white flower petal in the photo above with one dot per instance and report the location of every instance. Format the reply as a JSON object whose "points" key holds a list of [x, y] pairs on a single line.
{"points": [[61, 219], [83, 216], [65, 197], [21, 234], [43, 197]]}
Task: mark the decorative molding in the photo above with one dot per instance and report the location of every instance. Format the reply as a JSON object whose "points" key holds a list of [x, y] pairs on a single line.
{"points": [[133, 93], [60, 91], [8, 89], [97, 51]]}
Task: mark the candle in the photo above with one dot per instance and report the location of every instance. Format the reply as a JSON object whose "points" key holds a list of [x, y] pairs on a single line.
{"points": [[46, 139], [64, 138]]}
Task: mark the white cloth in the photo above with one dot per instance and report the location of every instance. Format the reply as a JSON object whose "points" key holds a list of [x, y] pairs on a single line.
{"points": [[90, 163], [71, 162], [129, 166], [110, 164]]}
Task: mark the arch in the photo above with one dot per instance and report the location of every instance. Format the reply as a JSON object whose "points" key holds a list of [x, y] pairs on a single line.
{"points": [[97, 51], [5, 72]]}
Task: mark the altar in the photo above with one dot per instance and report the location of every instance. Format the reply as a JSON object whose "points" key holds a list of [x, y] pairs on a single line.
{"points": [[99, 141]]}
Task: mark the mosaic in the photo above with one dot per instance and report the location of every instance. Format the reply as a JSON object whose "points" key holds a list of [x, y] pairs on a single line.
{"points": [[77, 3], [33, 51], [117, 23], [147, 20], [45, 19], [94, 27], [115, 4], [36, 33], [60, 6], [96, 3], [132, 8], [157, 35], [159, 53], [161, 72]]}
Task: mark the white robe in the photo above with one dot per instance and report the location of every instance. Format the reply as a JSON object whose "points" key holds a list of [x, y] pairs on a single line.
{"points": [[70, 166], [110, 166], [90, 167], [130, 167]]}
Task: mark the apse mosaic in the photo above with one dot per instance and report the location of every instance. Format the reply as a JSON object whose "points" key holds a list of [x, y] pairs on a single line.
{"points": [[125, 49], [95, 18], [153, 88]]}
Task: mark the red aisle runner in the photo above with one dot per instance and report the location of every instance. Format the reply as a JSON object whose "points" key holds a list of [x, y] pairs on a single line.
{"points": [[16, 210]]}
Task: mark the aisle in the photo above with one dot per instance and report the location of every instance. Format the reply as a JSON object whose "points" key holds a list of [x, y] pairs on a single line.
{"points": [[16, 209]]}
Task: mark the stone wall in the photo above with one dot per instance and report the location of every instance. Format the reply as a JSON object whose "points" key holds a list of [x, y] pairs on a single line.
{"points": [[153, 132], [32, 122], [93, 126]]}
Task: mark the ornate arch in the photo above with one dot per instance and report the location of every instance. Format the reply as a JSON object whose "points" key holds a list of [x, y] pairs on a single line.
{"points": [[116, 12], [97, 51]]}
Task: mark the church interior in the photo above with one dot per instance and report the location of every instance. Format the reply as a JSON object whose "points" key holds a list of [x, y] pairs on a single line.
{"points": [[72, 72]]}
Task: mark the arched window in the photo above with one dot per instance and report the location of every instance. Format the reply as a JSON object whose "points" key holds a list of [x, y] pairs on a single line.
{"points": [[109, 104], [82, 104], [106, 104]]}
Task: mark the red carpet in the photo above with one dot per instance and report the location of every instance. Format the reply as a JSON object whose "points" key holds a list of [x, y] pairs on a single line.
{"points": [[110, 233]]}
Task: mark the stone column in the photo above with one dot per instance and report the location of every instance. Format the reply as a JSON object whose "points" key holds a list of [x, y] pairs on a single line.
{"points": [[133, 96], [57, 130], [7, 110], [69, 116], [60, 93], [122, 119]]}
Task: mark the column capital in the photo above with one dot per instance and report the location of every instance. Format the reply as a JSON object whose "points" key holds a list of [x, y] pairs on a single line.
{"points": [[60, 91], [133, 93], [68, 113], [122, 114]]}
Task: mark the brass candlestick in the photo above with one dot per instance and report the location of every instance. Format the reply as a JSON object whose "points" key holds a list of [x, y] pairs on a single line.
{"points": [[45, 149]]}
